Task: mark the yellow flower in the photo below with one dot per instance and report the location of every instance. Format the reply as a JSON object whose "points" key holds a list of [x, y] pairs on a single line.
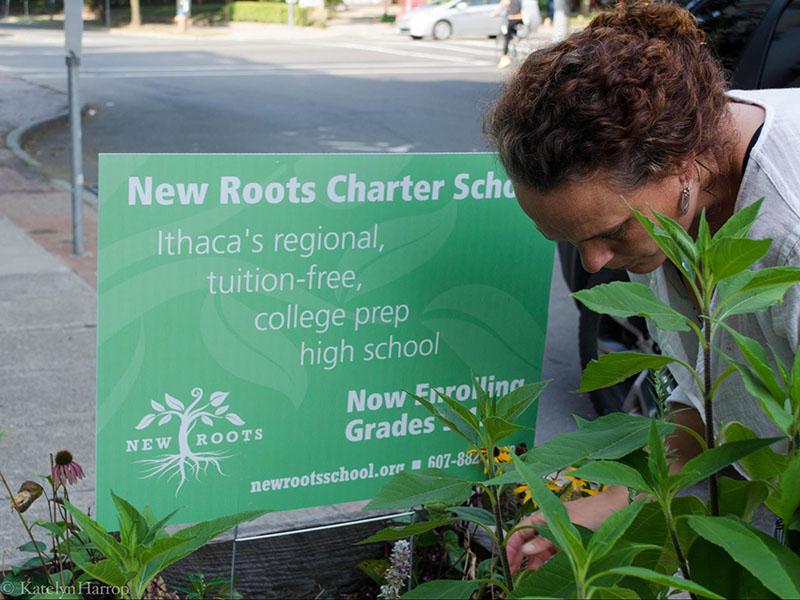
{"points": [[502, 454], [525, 492]]}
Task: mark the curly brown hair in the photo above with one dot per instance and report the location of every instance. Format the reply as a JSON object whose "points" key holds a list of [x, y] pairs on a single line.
{"points": [[630, 97]]}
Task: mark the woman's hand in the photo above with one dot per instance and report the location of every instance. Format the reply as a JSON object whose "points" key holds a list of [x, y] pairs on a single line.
{"points": [[526, 545]]}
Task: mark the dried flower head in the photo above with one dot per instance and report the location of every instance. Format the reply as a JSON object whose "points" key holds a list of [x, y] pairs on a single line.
{"points": [[28, 492], [66, 470]]}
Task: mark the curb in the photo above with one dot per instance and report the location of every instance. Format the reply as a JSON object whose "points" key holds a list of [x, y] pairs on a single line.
{"points": [[16, 138]]}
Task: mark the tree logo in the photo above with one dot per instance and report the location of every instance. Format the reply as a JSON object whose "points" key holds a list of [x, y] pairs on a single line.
{"points": [[187, 461]]}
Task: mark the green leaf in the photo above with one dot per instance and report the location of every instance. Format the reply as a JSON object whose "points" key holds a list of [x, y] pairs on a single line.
{"points": [[754, 291], [13, 585], [741, 498], [612, 530], [715, 459], [555, 514], [612, 593], [201, 533], [374, 568], [777, 567], [758, 362], [463, 412], [667, 245], [703, 238], [623, 555], [473, 514], [682, 240], [66, 575], [730, 256], [613, 473], [666, 580], [753, 383], [656, 457], [483, 401], [788, 499], [110, 547], [794, 379], [740, 222], [409, 489], [450, 418], [554, 579], [764, 464], [106, 571], [156, 529], [391, 534], [132, 525], [160, 548], [58, 528], [610, 437], [513, 404], [611, 369], [714, 569], [31, 547], [444, 589], [627, 299], [498, 429]]}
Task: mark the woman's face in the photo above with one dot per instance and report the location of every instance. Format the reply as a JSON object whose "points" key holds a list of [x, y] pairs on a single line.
{"points": [[594, 216]]}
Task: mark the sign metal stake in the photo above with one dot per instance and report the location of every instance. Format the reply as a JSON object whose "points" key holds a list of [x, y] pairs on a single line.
{"points": [[233, 561]]}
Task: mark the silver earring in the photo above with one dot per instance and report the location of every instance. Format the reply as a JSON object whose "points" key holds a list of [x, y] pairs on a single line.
{"points": [[685, 197]]}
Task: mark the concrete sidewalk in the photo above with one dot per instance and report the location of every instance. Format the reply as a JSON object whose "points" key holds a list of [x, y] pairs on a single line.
{"points": [[47, 323]]}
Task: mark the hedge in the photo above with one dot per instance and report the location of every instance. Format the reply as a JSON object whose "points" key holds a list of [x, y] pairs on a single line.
{"points": [[265, 12]]}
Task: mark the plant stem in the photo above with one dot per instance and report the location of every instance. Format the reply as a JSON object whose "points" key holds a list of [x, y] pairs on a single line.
{"points": [[494, 498], [56, 554], [27, 527], [713, 490], [676, 544]]}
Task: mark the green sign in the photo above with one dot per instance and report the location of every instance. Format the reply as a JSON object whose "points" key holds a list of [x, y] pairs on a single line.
{"points": [[262, 318]]}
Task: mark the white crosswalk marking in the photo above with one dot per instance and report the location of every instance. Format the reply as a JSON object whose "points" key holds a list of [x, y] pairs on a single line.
{"points": [[382, 55]]}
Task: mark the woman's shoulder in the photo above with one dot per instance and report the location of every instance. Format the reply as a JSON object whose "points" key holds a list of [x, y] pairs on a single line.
{"points": [[773, 172]]}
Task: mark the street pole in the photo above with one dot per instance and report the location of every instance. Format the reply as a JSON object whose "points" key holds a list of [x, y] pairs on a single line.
{"points": [[290, 12], [560, 20], [27, 11], [107, 14], [73, 32], [8, 8], [183, 13]]}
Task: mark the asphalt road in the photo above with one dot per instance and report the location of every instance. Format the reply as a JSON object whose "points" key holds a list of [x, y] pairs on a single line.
{"points": [[357, 88]]}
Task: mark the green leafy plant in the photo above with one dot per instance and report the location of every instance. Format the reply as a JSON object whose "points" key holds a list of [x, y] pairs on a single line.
{"points": [[637, 551], [202, 589], [144, 548]]}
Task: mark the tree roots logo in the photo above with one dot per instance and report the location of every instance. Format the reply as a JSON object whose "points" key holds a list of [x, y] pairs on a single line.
{"points": [[188, 461]]}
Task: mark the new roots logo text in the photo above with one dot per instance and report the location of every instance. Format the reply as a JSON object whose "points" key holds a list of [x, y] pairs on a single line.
{"points": [[188, 460]]}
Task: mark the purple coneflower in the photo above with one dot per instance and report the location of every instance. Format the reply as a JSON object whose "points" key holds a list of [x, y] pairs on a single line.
{"points": [[66, 470]]}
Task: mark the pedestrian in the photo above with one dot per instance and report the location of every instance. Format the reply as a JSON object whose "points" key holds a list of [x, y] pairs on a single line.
{"points": [[633, 111], [513, 19]]}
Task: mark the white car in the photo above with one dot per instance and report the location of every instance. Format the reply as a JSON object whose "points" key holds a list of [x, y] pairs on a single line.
{"points": [[442, 19]]}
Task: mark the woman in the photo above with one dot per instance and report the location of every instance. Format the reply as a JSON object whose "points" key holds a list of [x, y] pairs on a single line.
{"points": [[633, 111]]}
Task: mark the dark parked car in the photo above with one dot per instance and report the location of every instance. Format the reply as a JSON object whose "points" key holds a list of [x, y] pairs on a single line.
{"points": [[758, 42]]}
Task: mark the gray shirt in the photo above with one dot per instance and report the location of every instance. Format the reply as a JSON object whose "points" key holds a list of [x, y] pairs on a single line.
{"points": [[772, 172]]}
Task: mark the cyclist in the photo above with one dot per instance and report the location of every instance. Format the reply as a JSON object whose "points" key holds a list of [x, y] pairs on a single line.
{"points": [[513, 9]]}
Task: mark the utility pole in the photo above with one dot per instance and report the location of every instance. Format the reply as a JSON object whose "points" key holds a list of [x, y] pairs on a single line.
{"points": [[290, 4], [73, 33], [107, 13]]}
